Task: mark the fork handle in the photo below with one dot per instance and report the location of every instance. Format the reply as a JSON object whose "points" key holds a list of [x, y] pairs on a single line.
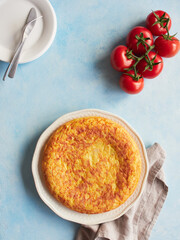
{"points": [[15, 61]]}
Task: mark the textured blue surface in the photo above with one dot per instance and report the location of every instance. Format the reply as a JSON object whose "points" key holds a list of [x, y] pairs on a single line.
{"points": [[75, 74]]}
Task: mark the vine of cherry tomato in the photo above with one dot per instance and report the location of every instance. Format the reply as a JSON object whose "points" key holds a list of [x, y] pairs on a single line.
{"points": [[119, 58], [152, 68], [129, 85], [167, 48], [139, 39], [142, 57], [156, 22]]}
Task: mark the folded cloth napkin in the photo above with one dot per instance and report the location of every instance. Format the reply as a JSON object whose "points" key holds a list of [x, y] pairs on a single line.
{"points": [[137, 223]]}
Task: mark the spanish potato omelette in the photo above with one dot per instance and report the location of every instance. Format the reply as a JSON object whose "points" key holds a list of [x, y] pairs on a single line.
{"points": [[91, 164]]}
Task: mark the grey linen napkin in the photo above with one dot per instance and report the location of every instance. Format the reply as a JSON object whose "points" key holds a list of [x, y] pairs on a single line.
{"points": [[137, 223]]}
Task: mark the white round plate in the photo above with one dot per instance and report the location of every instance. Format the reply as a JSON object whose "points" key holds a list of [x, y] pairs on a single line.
{"points": [[60, 209], [13, 15]]}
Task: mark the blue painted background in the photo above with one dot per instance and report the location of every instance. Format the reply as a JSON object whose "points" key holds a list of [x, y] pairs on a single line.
{"points": [[74, 74]]}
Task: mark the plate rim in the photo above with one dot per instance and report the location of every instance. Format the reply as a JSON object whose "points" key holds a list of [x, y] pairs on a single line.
{"points": [[36, 176], [49, 42]]}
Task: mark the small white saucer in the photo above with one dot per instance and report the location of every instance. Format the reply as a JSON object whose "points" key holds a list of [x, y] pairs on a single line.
{"points": [[13, 15]]}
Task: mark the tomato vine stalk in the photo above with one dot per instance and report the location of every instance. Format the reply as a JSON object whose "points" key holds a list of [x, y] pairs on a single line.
{"points": [[161, 20], [130, 55]]}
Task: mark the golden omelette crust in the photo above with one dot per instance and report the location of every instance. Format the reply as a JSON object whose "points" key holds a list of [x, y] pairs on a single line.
{"points": [[91, 165]]}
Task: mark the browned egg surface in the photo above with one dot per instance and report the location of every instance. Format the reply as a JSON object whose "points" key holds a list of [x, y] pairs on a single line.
{"points": [[91, 165]]}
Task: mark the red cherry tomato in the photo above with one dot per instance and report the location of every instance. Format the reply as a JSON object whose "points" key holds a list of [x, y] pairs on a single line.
{"points": [[154, 68], [119, 59], [129, 85], [141, 33], [167, 47], [154, 21]]}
